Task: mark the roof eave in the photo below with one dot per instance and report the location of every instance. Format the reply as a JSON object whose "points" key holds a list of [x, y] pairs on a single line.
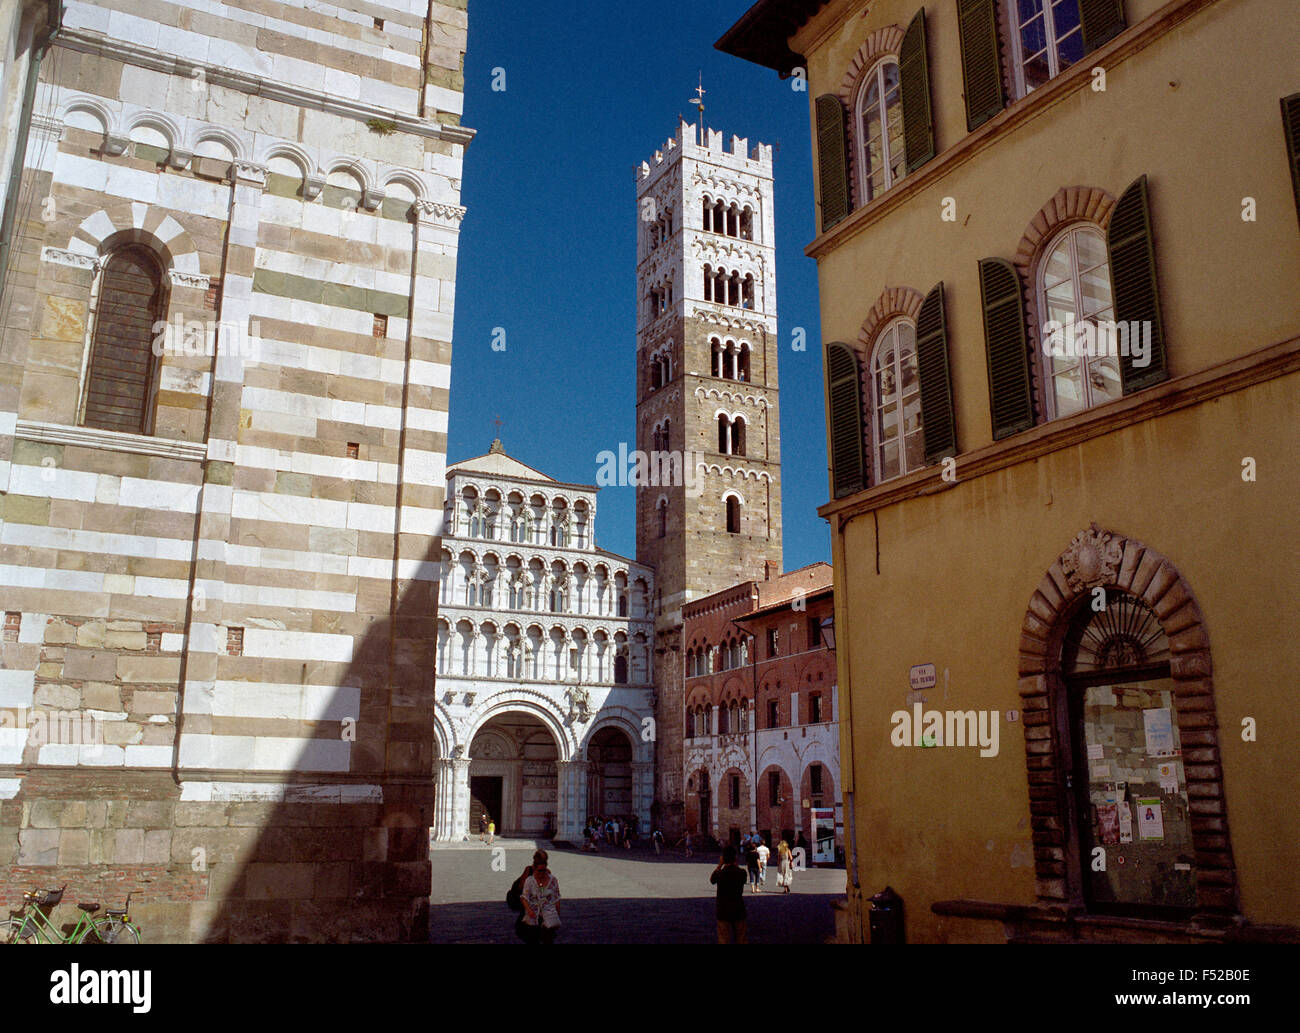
{"points": [[763, 33]]}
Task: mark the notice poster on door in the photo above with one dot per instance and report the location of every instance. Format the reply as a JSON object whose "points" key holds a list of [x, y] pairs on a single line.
{"points": [[1108, 824], [1169, 777], [1151, 823], [1125, 822], [823, 829], [1159, 727]]}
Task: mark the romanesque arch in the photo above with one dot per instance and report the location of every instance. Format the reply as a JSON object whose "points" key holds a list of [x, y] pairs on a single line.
{"points": [[1107, 560]]}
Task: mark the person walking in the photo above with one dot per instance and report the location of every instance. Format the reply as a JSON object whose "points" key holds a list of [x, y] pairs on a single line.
{"points": [[541, 899], [687, 840], [785, 866], [492, 830], [763, 854], [657, 837], [751, 864], [515, 901], [482, 828], [730, 905]]}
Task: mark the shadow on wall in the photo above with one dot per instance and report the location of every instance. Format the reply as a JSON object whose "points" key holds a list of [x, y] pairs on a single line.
{"points": [[341, 858]]}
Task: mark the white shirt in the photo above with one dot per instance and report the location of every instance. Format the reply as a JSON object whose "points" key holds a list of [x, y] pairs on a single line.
{"points": [[763, 853]]}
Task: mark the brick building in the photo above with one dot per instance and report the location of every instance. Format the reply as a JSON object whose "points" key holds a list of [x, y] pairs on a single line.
{"points": [[223, 411], [760, 727]]}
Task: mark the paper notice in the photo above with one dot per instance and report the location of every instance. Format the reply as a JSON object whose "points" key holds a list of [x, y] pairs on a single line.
{"points": [[1095, 751], [1151, 823], [1125, 822], [1100, 771], [1169, 777], [1160, 732], [1108, 824]]}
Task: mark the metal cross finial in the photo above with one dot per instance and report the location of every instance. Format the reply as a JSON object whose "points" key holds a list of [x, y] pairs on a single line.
{"points": [[698, 99], [497, 421]]}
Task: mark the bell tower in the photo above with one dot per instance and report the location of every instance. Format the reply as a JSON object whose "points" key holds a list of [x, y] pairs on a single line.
{"points": [[707, 397]]}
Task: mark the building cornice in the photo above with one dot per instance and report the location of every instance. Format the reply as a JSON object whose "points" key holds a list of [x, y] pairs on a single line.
{"points": [[87, 41], [1277, 360], [1016, 115]]}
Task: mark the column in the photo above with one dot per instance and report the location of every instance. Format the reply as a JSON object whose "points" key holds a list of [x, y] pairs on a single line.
{"points": [[451, 801], [643, 791], [571, 799]]}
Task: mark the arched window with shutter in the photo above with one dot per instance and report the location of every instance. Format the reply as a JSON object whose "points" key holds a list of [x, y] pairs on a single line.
{"points": [[1136, 292], [981, 60], [878, 123], [914, 89], [844, 406], [121, 382], [897, 430], [937, 417]]}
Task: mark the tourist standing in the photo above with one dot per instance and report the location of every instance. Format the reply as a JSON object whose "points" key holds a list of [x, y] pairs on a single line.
{"points": [[541, 899], [492, 830], [657, 837], [730, 906], [751, 864], [785, 866]]}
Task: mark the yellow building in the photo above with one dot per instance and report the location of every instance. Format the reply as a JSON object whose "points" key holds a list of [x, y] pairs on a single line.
{"points": [[1060, 289]]}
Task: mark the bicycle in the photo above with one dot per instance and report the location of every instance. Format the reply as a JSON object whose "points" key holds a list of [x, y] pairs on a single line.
{"points": [[34, 926]]}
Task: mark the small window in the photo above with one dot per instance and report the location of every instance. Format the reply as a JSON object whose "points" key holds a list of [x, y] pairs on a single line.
{"points": [[814, 632], [773, 714], [773, 642], [620, 670], [733, 515], [815, 713], [1048, 38], [381, 325], [774, 788], [735, 790]]}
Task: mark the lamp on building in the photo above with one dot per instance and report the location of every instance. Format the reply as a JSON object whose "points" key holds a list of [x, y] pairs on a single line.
{"points": [[828, 632]]}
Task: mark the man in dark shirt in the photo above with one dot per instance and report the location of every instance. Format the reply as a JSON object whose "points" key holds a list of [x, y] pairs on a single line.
{"points": [[730, 881]]}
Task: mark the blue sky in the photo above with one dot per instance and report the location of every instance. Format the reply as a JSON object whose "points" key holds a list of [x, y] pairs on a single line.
{"points": [[548, 248]]}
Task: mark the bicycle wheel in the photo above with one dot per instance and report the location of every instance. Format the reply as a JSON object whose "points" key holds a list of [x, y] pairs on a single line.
{"points": [[104, 930], [15, 930]]}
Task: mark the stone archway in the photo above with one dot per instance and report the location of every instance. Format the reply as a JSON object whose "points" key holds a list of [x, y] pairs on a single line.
{"points": [[1104, 559], [610, 757], [513, 767]]}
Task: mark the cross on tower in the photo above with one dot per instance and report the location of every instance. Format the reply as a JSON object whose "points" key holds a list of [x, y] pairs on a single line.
{"points": [[698, 99]]}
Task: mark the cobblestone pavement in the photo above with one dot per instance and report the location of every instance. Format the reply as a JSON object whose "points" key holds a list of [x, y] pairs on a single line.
{"points": [[619, 897]]}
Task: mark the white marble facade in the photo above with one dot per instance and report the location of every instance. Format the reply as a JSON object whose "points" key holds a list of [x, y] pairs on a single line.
{"points": [[544, 643]]}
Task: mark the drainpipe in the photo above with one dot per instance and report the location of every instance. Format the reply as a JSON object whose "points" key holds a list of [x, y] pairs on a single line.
{"points": [[843, 668], [53, 22]]}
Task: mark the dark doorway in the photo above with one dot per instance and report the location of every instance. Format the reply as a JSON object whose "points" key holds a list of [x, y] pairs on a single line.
{"points": [[485, 798]]}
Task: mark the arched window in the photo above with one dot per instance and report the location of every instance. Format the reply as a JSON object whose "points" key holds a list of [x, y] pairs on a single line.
{"points": [[724, 435], [122, 380], [1074, 294], [733, 515], [879, 122], [738, 436], [724, 721], [742, 365], [1046, 39], [896, 402], [663, 518], [622, 604], [620, 670]]}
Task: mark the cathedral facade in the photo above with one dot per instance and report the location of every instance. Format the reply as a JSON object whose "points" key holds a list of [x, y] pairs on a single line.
{"points": [[544, 715]]}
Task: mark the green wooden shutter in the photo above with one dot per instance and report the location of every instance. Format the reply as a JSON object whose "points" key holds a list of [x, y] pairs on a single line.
{"points": [[914, 87], [1133, 282], [1011, 399], [937, 421], [832, 160], [843, 386], [981, 60], [1291, 125], [1102, 21]]}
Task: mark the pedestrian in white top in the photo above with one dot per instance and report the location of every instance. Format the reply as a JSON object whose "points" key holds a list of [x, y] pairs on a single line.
{"points": [[763, 854], [541, 899]]}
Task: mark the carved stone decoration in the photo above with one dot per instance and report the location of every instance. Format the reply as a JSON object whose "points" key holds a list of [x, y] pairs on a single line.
{"points": [[312, 185], [70, 258], [579, 704], [184, 279], [1092, 559], [449, 215], [458, 750]]}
